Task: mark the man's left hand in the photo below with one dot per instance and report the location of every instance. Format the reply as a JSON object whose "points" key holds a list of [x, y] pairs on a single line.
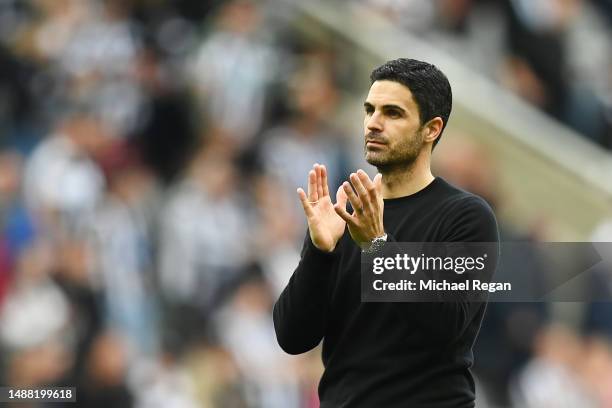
{"points": [[366, 221]]}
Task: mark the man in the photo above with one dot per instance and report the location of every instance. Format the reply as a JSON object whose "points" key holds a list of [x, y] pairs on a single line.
{"points": [[386, 354]]}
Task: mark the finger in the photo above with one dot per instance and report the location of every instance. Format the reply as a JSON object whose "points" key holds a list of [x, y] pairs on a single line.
{"points": [[352, 197], [341, 200], [361, 192], [341, 197], [378, 182], [341, 211], [324, 180], [312, 186], [367, 183], [305, 204], [318, 172]]}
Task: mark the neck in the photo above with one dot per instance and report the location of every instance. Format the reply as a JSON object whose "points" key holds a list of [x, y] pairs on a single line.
{"points": [[401, 181]]}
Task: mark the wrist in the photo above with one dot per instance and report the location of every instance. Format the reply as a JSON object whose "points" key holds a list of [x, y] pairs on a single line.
{"points": [[374, 245], [324, 249]]}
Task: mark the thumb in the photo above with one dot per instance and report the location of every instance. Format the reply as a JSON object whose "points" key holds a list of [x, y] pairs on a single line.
{"points": [[341, 197]]}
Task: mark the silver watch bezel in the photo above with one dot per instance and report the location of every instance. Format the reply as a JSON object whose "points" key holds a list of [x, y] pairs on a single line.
{"points": [[376, 244]]}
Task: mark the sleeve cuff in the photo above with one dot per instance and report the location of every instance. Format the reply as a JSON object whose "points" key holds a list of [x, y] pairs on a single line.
{"points": [[314, 259]]}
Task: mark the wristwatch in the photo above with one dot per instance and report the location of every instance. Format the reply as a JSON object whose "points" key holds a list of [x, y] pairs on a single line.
{"points": [[376, 244]]}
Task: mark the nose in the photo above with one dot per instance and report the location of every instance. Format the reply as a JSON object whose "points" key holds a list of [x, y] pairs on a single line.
{"points": [[374, 123]]}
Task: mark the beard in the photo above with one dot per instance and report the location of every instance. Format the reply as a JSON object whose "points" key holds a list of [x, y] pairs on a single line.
{"points": [[391, 156]]}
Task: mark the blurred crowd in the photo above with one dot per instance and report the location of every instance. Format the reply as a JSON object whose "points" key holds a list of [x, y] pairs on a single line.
{"points": [[149, 156]]}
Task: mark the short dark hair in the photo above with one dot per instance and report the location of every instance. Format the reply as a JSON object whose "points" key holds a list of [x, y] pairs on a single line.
{"points": [[428, 85]]}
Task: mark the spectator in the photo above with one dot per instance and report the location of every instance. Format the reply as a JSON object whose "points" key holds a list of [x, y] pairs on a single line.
{"points": [[36, 311], [104, 383], [122, 244], [197, 263], [62, 181], [271, 377], [288, 151], [232, 69], [552, 377]]}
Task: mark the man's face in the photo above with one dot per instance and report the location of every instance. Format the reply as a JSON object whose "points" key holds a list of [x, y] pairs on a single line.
{"points": [[392, 126]]}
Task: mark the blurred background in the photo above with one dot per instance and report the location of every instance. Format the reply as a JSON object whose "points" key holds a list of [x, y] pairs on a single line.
{"points": [[149, 156]]}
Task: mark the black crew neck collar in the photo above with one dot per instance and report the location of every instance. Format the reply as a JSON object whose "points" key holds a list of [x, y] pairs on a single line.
{"points": [[400, 200]]}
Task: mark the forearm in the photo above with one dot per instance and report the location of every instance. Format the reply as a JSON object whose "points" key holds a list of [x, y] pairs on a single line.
{"points": [[300, 313]]}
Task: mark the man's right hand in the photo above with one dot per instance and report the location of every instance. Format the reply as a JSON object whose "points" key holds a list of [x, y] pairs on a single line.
{"points": [[325, 225]]}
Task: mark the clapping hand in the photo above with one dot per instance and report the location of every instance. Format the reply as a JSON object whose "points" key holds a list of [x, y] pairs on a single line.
{"points": [[326, 226], [366, 221]]}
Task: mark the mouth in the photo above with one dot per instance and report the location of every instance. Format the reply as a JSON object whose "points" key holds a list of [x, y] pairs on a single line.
{"points": [[374, 143]]}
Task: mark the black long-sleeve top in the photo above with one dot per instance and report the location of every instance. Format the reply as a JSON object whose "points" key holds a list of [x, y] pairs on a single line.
{"points": [[388, 355]]}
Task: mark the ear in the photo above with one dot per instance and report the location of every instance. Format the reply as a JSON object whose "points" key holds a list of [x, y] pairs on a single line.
{"points": [[432, 129]]}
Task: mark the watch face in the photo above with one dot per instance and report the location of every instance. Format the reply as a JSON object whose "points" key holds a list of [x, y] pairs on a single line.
{"points": [[381, 239]]}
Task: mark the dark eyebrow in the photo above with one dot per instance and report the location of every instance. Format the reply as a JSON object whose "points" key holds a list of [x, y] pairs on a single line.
{"points": [[385, 107], [399, 108]]}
